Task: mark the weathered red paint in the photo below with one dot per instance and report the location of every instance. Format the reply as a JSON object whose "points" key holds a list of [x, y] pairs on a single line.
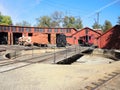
{"points": [[25, 31], [110, 39], [81, 34]]}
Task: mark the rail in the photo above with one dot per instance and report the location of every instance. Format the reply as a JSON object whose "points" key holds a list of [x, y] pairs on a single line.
{"points": [[48, 57]]}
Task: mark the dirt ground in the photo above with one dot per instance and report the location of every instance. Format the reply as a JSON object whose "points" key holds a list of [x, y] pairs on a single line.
{"points": [[77, 76]]}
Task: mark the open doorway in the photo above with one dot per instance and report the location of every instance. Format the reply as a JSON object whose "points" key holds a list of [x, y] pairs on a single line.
{"points": [[15, 37], [3, 38], [49, 38], [30, 34], [57, 37], [61, 40]]}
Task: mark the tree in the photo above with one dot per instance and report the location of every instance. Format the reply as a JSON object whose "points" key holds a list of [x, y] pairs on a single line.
{"points": [[54, 24], [23, 23], [78, 23], [118, 20], [56, 19], [5, 20], [96, 26], [0, 17], [66, 22], [71, 22], [44, 21], [107, 25]]}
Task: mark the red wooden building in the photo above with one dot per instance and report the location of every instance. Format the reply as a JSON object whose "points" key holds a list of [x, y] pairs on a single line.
{"points": [[85, 36], [110, 39], [10, 34]]}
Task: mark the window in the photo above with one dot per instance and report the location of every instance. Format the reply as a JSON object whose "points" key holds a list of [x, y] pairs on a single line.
{"points": [[28, 29], [62, 30], [86, 31], [36, 29], [5, 28], [49, 30], [8, 28], [68, 30], [13, 29], [21, 29], [41, 30], [89, 37], [55, 30]]}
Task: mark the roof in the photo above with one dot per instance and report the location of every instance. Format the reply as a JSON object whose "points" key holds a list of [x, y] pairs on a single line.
{"points": [[87, 28], [38, 27], [116, 26]]}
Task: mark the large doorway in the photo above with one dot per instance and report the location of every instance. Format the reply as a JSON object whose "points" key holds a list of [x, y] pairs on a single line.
{"points": [[3, 38], [61, 40], [57, 37], [15, 37], [49, 38], [30, 34]]}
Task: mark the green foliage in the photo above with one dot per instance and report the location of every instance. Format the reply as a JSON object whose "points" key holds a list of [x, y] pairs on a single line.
{"points": [[68, 22], [44, 21], [71, 22], [57, 20], [107, 25], [5, 20], [78, 24], [23, 23], [96, 26], [54, 24]]}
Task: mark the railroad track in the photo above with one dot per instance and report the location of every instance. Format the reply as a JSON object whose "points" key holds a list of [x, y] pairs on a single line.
{"points": [[102, 82], [19, 62], [15, 64]]}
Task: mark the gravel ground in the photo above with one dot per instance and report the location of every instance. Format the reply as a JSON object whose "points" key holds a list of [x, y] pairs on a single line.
{"points": [[113, 84], [94, 59], [59, 77]]}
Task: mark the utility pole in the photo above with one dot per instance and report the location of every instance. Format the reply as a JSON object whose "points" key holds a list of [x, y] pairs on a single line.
{"points": [[98, 17]]}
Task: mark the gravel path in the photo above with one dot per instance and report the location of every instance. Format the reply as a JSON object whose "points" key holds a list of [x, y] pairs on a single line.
{"points": [[77, 76]]}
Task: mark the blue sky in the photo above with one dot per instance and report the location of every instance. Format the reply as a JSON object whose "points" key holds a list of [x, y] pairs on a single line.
{"points": [[29, 10]]}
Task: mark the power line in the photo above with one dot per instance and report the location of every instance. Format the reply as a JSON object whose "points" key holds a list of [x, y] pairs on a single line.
{"points": [[108, 5], [62, 7], [98, 17], [102, 8]]}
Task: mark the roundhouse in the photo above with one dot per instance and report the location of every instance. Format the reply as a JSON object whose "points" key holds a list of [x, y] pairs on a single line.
{"points": [[110, 39], [10, 34], [86, 36]]}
